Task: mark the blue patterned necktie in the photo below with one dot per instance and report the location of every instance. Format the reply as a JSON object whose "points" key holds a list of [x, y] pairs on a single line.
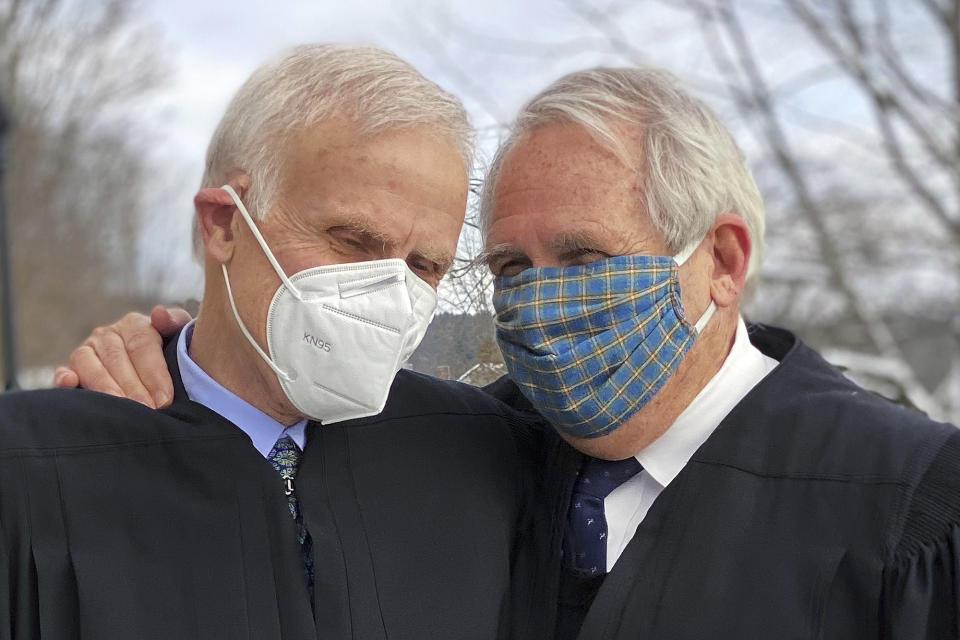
{"points": [[285, 458], [585, 546]]}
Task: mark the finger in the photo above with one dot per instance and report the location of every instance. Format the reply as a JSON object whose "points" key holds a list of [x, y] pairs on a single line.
{"points": [[168, 320], [144, 347], [65, 377], [110, 348], [91, 373]]}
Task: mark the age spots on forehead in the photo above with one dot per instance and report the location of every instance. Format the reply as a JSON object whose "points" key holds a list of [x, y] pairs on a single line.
{"points": [[559, 180]]}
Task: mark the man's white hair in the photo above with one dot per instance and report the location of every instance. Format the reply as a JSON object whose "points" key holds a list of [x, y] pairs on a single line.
{"points": [[308, 84], [690, 169]]}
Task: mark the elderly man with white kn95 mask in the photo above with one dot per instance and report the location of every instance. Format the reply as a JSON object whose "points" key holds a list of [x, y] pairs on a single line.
{"points": [[704, 478], [300, 484]]}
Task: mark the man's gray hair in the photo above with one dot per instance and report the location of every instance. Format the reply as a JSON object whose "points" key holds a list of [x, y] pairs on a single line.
{"points": [[690, 169], [311, 83]]}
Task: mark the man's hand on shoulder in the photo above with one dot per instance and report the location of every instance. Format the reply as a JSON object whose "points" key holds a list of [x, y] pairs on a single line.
{"points": [[125, 358]]}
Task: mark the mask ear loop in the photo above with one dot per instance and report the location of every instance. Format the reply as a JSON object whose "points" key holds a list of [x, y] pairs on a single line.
{"points": [[263, 243], [686, 252], [680, 259], [276, 266], [705, 318]]}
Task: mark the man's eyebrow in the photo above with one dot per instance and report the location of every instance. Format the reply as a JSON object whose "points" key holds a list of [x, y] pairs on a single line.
{"points": [[359, 225], [574, 241], [564, 243]]}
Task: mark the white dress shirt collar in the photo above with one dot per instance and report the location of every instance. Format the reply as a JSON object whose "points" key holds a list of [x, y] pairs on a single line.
{"points": [[263, 430], [743, 368]]}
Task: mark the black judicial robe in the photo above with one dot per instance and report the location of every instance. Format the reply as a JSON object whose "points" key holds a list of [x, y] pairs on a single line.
{"points": [[815, 510], [121, 522]]}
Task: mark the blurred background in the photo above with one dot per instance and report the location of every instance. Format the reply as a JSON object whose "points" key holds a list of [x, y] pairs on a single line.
{"points": [[849, 111]]}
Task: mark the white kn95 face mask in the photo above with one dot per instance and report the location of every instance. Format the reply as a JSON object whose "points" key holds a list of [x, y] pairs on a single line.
{"points": [[338, 334]]}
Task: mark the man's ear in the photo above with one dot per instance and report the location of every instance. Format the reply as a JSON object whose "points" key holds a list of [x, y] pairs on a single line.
{"points": [[731, 255], [215, 209]]}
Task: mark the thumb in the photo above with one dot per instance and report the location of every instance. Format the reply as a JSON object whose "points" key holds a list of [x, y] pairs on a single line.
{"points": [[168, 320]]}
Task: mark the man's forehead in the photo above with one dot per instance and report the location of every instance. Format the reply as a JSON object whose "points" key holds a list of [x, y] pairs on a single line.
{"points": [[569, 152]]}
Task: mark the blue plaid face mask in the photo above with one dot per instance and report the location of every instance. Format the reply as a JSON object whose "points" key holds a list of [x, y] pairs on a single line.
{"points": [[590, 345]]}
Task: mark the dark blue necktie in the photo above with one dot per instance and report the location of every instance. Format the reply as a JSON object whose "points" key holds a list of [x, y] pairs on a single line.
{"points": [[285, 458], [585, 544]]}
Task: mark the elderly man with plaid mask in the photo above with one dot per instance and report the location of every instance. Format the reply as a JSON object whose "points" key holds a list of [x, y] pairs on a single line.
{"points": [[703, 477]]}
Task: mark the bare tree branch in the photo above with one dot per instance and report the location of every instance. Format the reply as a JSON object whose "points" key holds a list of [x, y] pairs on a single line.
{"points": [[886, 105], [759, 97], [904, 78]]}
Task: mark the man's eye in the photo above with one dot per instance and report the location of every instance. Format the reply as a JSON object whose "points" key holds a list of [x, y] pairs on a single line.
{"points": [[427, 269], [429, 272], [586, 256], [352, 241], [348, 238], [509, 268]]}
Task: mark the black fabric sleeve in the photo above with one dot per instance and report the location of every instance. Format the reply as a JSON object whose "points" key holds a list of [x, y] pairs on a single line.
{"points": [[6, 580], [921, 590], [525, 561]]}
